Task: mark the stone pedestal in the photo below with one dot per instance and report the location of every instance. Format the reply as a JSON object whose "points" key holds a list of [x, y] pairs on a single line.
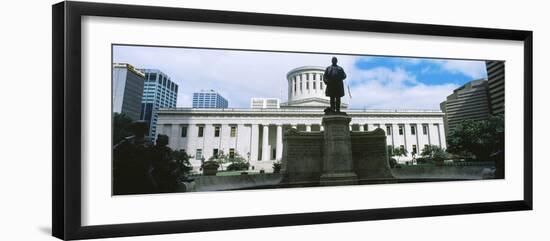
{"points": [[337, 156]]}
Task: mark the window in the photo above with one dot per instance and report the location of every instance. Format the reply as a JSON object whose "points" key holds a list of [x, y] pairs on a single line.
{"points": [[307, 76], [231, 153], [294, 84], [307, 85], [402, 147], [300, 85], [321, 77], [414, 149], [388, 130], [200, 131], [184, 131], [216, 131], [413, 130], [321, 85], [198, 154], [314, 86], [233, 132], [215, 152], [400, 130], [425, 129], [273, 154], [314, 76]]}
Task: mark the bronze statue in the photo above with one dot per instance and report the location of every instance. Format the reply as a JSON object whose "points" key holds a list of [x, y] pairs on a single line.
{"points": [[334, 80]]}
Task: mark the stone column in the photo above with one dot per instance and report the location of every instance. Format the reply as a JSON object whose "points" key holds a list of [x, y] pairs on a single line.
{"points": [[361, 127], [321, 128], [337, 158], [295, 126], [173, 137], [308, 127], [279, 150], [265, 143], [254, 142]]}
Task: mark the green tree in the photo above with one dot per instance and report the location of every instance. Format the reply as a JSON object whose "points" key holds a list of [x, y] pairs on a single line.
{"points": [[223, 158], [397, 151], [433, 153], [182, 159], [480, 139], [122, 127]]}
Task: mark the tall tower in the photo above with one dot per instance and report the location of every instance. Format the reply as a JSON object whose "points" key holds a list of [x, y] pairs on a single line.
{"points": [[128, 87], [159, 92]]}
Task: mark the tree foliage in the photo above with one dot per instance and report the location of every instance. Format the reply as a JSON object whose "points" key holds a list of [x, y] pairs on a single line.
{"points": [[182, 159], [122, 127], [433, 153], [479, 139], [223, 158], [397, 151]]}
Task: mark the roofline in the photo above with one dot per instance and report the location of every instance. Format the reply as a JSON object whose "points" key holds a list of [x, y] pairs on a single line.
{"points": [[295, 111]]}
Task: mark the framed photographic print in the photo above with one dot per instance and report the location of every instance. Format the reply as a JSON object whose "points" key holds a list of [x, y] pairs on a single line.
{"points": [[170, 120]]}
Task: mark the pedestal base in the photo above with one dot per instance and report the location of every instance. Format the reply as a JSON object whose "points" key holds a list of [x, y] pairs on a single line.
{"points": [[337, 179]]}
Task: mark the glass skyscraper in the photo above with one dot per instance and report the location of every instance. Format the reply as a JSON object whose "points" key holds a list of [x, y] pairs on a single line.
{"points": [[128, 84], [208, 99], [158, 92]]}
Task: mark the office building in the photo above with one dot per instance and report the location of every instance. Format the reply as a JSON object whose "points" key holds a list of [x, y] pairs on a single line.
{"points": [[495, 79], [209, 99], [128, 84], [469, 102], [159, 92]]}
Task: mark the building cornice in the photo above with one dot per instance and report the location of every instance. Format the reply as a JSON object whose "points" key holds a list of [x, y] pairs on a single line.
{"points": [[294, 112]]}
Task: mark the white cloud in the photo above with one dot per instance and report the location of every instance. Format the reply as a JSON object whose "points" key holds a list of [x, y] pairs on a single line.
{"points": [[241, 75], [473, 69], [384, 88], [236, 75]]}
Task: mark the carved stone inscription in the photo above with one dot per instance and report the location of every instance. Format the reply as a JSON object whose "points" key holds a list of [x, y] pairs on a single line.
{"points": [[370, 155], [302, 157]]}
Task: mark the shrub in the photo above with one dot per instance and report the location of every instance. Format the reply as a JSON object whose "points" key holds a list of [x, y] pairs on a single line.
{"points": [[238, 166], [393, 162], [277, 167]]}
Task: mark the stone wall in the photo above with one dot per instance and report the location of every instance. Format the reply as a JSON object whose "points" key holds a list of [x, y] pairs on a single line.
{"points": [[302, 156], [370, 157]]}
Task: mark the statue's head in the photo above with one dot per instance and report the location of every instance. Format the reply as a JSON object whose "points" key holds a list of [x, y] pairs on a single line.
{"points": [[334, 60], [162, 140], [139, 128]]}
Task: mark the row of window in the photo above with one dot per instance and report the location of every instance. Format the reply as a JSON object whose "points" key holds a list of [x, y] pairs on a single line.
{"points": [[217, 129], [401, 130], [307, 76], [215, 152], [307, 85], [402, 147]]}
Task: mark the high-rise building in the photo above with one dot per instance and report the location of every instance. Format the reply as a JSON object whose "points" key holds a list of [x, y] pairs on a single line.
{"points": [[469, 102], [264, 103], [209, 99], [159, 92], [495, 78], [128, 85]]}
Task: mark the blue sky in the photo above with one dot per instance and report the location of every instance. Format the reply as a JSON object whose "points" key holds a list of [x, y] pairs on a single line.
{"points": [[375, 82]]}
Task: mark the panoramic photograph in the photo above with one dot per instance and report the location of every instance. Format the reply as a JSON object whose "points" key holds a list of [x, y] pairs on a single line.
{"points": [[201, 119]]}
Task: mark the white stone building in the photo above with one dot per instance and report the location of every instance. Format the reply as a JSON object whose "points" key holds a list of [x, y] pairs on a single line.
{"points": [[256, 133]]}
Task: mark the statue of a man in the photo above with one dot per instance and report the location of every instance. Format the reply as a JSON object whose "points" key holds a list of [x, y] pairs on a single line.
{"points": [[334, 79]]}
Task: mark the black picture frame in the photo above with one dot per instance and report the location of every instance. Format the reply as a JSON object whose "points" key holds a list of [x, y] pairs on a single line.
{"points": [[66, 75]]}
